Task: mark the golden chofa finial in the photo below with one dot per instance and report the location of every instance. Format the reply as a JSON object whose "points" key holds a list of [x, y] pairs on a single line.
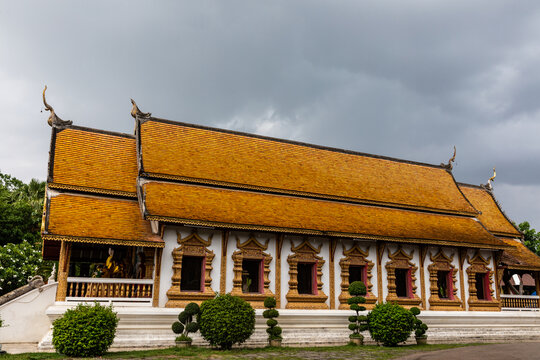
{"points": [[449, 166], [489, 185], [491, 179], [54, 120], [136, 113]]}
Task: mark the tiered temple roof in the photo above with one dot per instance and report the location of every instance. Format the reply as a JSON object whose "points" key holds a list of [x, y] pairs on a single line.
{"points": [[107, 187], [491, 215], [518, 256]]}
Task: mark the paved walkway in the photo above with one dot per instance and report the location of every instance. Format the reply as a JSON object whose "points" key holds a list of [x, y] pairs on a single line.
{"points": [[515, 351]]}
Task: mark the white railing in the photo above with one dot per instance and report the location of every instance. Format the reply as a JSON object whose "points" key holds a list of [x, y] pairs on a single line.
{"points": [[109, 289], [520, 302]]}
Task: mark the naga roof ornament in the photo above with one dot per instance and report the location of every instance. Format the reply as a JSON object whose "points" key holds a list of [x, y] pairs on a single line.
{"points": [[137, 113], [449, 166], [54, 120], [489, 185]]}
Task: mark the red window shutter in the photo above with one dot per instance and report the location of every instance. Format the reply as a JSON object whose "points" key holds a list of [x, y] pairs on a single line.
{"points": [[487, 293], [409, 284], [450, 285], [261, 276], [203, 272], [314, 289]]}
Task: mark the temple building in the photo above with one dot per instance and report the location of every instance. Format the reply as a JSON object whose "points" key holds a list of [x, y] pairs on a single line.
{"points": [[178, 212]]}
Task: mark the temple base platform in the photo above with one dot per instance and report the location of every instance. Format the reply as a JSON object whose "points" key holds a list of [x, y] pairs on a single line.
{"points": [[150, 327]]}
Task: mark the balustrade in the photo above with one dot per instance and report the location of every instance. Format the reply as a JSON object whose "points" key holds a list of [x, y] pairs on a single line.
{"points": [[109, 289], [519, 302]]}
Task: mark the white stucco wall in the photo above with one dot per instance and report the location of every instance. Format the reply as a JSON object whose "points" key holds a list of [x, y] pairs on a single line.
{"points": [[24, 317], [170, 239]]}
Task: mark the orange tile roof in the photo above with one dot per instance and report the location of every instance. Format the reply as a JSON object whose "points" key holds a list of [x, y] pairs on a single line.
{"points": [[98, 219], [491, 215], [202, 205], [89, 160], [184, 152], [519, 256]]}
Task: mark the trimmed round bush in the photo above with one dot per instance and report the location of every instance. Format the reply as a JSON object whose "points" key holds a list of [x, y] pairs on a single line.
{"points": [[390, 324], [415, 311], [357, 288], [270, 313], [270, 302], [274, 331], [192, 327], [183, 316], [357, 323], [419, 327], [177, 327], [85, 331], [192, 309], [226, 320]]}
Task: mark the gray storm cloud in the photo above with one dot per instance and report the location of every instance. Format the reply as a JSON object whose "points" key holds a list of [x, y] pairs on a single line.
{"points": [[404, 80]]}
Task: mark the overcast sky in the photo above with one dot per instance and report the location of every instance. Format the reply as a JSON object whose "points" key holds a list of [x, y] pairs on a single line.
{"points": [[403, 79]]}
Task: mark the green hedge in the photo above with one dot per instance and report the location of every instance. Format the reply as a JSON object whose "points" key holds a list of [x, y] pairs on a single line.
{"points": [[226, 320], [390, 324], [87, 330]]}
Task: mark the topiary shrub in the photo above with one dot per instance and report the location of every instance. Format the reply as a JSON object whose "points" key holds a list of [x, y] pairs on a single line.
{"points": [[390, 324], [358, 323], [226, 320], [86, 331], [419, 327], [274, 331], [185, 323]]}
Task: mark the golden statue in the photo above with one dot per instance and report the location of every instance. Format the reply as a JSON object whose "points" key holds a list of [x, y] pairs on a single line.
{"points": [[54, 120]]}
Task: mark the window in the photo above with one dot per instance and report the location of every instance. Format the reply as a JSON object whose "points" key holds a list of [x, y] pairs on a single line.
{"points": [[402, 282], [443, 284], [251, 276], [191, 278], [305, 278], [480, 286], [357, 273]]}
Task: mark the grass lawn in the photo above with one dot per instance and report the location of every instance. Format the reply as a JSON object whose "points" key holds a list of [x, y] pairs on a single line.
{"points": [[368, 352]]}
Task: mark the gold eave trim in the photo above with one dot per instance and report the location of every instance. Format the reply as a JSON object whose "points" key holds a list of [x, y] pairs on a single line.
{"points": [[321, 233], [303, 193], [103, 241], [505, 234], [523, 267], [92, 190]]}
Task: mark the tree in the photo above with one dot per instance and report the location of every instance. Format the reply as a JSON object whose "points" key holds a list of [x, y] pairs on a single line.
{"points": [[531, 237], [21, 206]]}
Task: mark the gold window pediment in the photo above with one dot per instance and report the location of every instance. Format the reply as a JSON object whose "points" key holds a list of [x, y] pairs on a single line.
{"points": [[401, 260], [191, 245], [443, 262], [479, 265], [254, 250], [355, 256], [305, 252]]}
